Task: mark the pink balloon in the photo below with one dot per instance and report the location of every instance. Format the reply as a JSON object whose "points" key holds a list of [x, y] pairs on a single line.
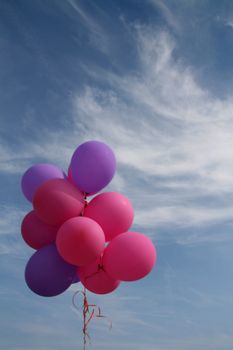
{"points": [[96, 279], [36, 233], [69, 176], [80, 241], [58, 200], [129, 257], [113, 212]]}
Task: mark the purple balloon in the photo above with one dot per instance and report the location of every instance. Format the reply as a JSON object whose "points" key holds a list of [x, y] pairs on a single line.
{"points": [[47, 274], [36, 175], [93, 165], [76, 279]]}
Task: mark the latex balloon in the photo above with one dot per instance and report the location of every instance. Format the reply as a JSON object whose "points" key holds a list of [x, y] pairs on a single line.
{"points": [[70, 179], [80, 241], [129, 257], [57, 201], [113, 212], [47, 274], [69, 176], [36, 175], [36, 233], [93, 165], [76, 278], [96, 279]]}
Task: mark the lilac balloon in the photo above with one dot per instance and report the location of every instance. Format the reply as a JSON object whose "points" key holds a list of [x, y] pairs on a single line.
{"points": [[47, 274], [36, 176], [93, 165]]}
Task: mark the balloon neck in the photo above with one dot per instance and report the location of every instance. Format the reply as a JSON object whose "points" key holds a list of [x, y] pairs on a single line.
{"points": [[85, 205], [100, 267], [100, 264]]}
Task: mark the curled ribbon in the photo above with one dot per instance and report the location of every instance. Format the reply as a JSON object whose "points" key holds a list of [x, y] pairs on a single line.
{"points": [[89, 311]]}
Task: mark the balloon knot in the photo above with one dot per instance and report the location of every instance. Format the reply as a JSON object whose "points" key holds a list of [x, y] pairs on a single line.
{"points": [[101, 267]]}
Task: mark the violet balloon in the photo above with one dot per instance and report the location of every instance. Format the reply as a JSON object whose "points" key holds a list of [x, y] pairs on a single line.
{"points": [[47, 274], [36, 175], [93, 165], [70, 179]]}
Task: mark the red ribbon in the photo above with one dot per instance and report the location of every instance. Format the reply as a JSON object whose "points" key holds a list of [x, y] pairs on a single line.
{"points": [[89, 311]]}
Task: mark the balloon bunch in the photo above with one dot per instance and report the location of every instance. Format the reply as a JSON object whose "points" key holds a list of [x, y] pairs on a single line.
{"points": [[76, 240]]}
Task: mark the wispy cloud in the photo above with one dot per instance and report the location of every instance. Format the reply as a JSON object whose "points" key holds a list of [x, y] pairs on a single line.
{"points": [[98, 36], [169, 17], [172, 138], [10, 223], [229, 23], [165, 128]]}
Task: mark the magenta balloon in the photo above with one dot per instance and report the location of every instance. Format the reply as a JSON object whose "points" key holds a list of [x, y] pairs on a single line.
{"points": [[57, 200], [80, 241], [129, 257], [36, 233], [69, 176], [113, 212], [36, 175], [93, 165], [95, 279], [47, 274]]}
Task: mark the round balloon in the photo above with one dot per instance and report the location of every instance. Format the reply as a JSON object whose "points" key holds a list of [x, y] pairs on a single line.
{"points": [[80, 241], [113, 212], [93, 165], [58, 200], [96, 279], [36, 175], [36, 233], [129, 257], [47, 274], [70, 179], [69, 176], [76, 278]]}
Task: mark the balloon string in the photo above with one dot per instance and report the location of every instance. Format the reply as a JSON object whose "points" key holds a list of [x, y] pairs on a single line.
{"points": [[85, 204], [99, 268], [89, 311]]}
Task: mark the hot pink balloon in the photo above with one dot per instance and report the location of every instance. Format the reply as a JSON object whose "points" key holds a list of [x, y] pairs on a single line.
{"points": [[80, 241], [113, 212], [95, 278], [36, 233], [69, 176], [129, 257], [58, 200]]}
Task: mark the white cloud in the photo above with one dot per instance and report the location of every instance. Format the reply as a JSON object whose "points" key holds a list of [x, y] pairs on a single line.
{"points": [[172, 138], [166, 128], [167, 14], [229, 23], [10, 231], [98, 36], [185, 215]]}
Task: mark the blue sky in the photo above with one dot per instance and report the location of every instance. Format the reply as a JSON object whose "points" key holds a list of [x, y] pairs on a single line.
{"points": [[153, 79]]}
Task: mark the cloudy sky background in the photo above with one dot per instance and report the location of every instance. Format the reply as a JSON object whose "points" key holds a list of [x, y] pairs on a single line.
{"points": [[152, 79]]}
